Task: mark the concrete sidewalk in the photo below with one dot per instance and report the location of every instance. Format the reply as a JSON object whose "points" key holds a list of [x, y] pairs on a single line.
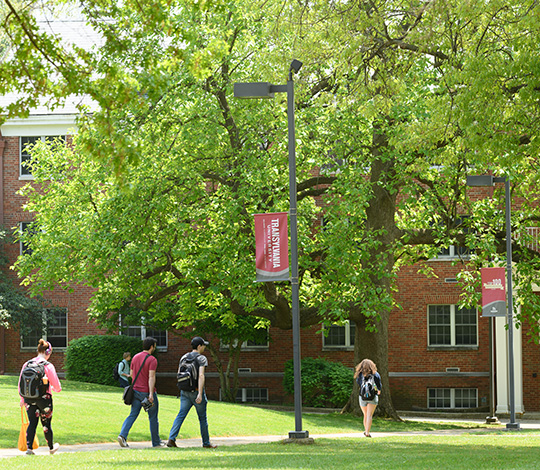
{"points": [[239, 440]]}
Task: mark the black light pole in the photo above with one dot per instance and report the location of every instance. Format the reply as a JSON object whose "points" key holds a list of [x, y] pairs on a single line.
{"points": [[490, 180], [267, 90]]}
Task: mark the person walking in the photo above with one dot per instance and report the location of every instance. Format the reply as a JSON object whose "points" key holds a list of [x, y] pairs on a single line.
{"points": [[196, 398], [144, 365], [40, 407], [366, 372], [123, 370]]}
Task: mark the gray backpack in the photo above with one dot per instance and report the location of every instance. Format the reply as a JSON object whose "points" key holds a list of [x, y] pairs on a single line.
{"points": [[31, 384]]}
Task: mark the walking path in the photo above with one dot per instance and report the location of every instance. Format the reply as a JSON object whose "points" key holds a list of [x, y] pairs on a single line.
{"points": [[231, 441]]}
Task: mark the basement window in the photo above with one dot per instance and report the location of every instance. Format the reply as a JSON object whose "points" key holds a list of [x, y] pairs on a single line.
{"points": [[252, 395], [452, 398]]}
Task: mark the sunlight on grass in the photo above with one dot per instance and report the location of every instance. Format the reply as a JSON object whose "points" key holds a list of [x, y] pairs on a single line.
{"points": [[89, 413], [419, 452]]}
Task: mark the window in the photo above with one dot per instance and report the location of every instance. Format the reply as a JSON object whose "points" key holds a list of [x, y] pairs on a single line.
{"points": [[449, 325], [143, 332], [260, 342], [53, 329], [339, 336], [252, 394], [457, 398], [26, 227], [25, 156], [454, 252]]}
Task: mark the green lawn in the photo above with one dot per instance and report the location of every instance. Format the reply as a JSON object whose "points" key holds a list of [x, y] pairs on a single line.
{"points": [[498, 451], [86, 413]]}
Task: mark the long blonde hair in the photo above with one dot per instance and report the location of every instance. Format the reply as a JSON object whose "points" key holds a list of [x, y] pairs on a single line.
{"points": [[366, 367]]}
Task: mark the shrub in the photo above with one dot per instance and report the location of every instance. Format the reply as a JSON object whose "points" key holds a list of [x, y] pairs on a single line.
{"points": [[92, 358], [324, 383]]}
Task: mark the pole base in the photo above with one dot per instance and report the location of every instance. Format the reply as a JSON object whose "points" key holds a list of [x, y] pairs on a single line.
{"points": [[512, 426], [492, 420], [298, 434]]}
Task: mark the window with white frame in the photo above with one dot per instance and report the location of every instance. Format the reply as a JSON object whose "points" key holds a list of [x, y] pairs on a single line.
{"points": [[454, 252], [252, 394], [449, 325], [456, 398], [53, 329], [25, 156], [143, 332], [260, 341], [339, 336]]}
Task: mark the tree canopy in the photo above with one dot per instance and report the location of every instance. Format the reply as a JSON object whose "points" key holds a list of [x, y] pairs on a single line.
{"points": [[396, 103]]}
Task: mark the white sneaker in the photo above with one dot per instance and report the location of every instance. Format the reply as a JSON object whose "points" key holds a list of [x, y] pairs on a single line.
{"points": [[56, 446], [122, 442], [30, 452]]}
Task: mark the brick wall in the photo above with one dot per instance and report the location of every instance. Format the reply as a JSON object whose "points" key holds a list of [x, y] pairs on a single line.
{"points": [[409, 354]]}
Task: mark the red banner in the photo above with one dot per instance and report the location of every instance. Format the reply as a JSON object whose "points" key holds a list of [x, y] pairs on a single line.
{"points": [[271, 247], [493, 292]]}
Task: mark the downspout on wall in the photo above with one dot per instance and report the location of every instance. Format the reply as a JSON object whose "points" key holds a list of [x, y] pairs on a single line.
{"points": [[2, 329]]}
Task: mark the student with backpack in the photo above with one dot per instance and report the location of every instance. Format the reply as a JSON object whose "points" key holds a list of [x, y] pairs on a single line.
{"points": [[37, 379], [190, 379], [369, 381], [122, 371]]}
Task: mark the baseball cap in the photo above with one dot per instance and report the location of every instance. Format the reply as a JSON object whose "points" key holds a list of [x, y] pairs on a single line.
{"points": [[198, 341]]}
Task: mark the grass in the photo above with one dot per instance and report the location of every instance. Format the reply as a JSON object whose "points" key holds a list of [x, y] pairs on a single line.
{"points": [[89, 413], [508, 451], [86, 413]]}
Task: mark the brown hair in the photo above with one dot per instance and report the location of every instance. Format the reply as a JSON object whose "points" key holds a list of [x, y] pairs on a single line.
{"points": [[126, 355], [44, 347], [366, 367]]}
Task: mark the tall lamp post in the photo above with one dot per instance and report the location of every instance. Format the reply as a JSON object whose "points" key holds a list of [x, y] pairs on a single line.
{"points": [[267, 90], [490, 180]]}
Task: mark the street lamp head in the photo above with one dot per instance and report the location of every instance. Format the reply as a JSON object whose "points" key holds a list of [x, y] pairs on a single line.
{"points": [[480, 180], [296, 65], [253, 90]]}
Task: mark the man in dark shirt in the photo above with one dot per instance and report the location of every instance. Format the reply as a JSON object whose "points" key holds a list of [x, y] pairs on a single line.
{"points": [[196, 398]]}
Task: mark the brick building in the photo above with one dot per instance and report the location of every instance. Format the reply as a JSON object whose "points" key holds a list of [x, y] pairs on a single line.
{"points": [[439, 356]]}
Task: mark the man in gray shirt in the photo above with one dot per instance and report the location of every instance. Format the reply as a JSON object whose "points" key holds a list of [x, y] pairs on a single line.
{"points": [[196, 398]]}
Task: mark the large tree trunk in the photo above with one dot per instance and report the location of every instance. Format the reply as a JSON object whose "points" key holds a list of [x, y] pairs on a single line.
{"points": [[372, 342], [372, 345]]}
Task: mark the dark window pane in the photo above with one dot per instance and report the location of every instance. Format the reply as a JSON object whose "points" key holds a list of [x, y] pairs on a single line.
{"points": [[25, 143]]}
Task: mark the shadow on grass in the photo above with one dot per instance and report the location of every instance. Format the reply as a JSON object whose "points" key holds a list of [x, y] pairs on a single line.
{"points": [[327, 454]]}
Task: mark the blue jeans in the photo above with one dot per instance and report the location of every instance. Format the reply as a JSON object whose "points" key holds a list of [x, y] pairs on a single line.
{"points": [[152, 417], [187, 400], [123, 382]]}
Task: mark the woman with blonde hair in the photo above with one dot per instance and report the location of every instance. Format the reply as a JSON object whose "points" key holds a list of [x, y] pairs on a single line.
{"points": [[366, 371]]}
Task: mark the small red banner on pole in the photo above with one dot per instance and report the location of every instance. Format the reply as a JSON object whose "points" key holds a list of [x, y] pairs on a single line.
{"points": [[271, 247], [493, 292]]}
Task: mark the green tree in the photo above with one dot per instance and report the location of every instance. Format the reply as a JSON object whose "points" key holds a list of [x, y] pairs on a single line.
{"points": [[17, 309], [424, 93], [397, 102], [232, 332]]}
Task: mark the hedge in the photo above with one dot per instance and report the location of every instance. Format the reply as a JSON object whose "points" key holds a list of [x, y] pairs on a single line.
{"points": [[325, 384], [92, 358]]}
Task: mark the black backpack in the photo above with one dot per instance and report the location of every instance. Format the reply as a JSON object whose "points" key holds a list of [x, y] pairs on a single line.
{"points": [[31, 384], [115, 373], [368, 390], [187, 378]]}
